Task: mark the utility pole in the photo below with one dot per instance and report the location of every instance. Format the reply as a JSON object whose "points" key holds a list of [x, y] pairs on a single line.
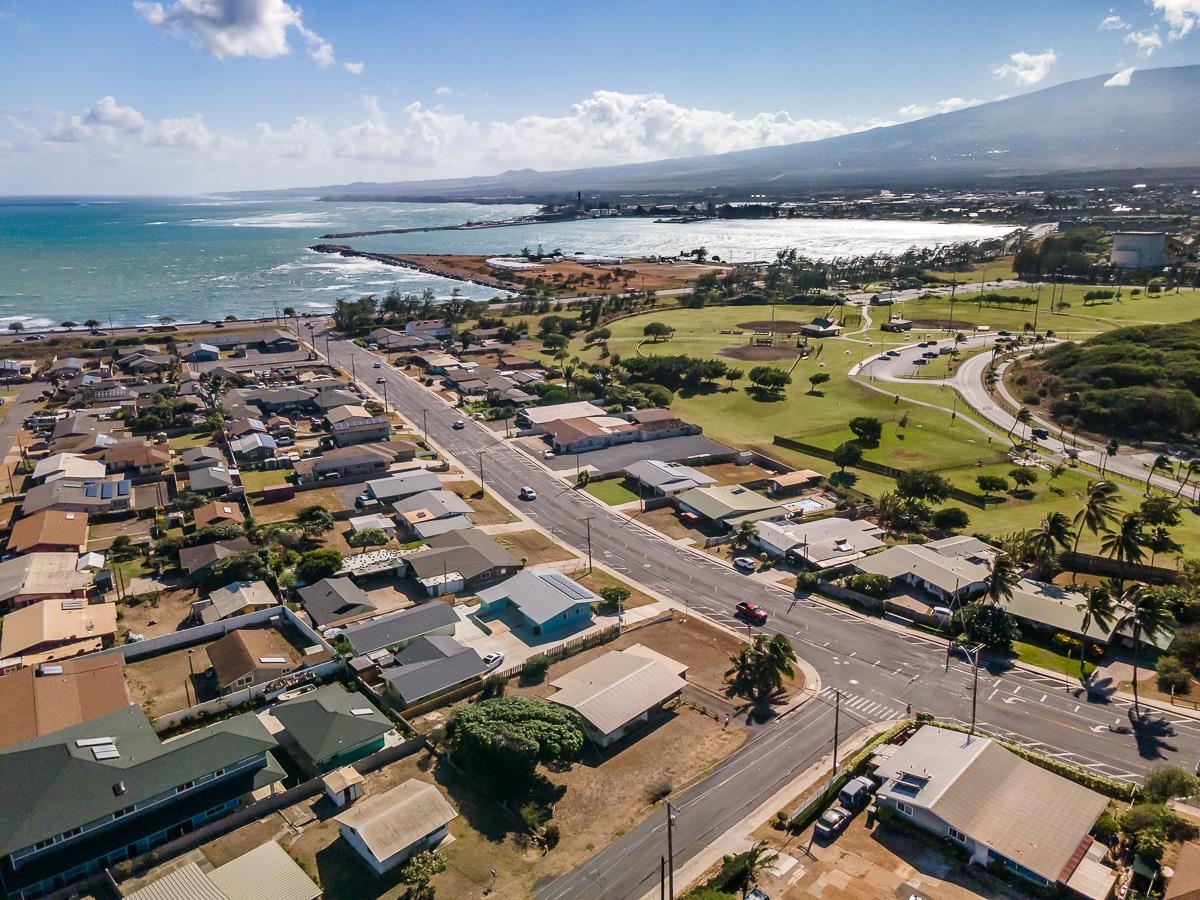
{"points": [[588, 522], [975, 690], [424, 429], [662, 878], [670, 852], [481, 490], [385, 399], [837, 712], [353, 370]]}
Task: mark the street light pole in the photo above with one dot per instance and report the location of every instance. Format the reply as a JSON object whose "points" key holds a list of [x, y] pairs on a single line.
{"points": [[424, 429], [975, 690], [670, 852], [588, 522], [837, 712]]}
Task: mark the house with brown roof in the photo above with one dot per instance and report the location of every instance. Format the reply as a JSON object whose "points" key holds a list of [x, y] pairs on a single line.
{"points": [[49, 531], [140, 459], [218, 512], [591, 433], [196, 559], [1184, 883], [57, 629], [657, 423], [43, 699], [250, 656]]}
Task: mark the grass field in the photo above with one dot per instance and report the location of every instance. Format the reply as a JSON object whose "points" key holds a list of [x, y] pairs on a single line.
{"points": [[611, 491], [1036, 655], [259, 479]]}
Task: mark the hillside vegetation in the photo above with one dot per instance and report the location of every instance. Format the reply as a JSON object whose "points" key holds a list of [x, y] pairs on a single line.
{"points": [[1138, 382]]}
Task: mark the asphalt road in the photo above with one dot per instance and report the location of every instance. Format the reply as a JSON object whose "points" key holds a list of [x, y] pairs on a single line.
{"points": [[879, 670]]}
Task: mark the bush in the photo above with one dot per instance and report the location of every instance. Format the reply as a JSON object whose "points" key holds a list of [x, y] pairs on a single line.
{"points": [[535, 668], [1106, 828], [806, 581], [869, 584], [551, 835], [951, 518], [1065, 643], [1165, 783], [1172, 676]]}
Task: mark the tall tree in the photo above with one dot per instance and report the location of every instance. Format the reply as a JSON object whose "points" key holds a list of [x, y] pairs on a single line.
{"points": [[1023, 417], [1003, 579], [1145, 614], [1051, 537], [1158, 540], [1161, 463], [1099, 608], [1125, 543], [1099, 508], [759, 668]]}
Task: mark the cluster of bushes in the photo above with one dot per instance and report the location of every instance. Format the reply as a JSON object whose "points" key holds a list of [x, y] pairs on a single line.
{"points": [[866, 583], [1175, 670]]}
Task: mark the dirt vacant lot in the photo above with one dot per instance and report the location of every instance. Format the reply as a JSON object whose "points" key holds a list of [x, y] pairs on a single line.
{"points": [[533, 546]]}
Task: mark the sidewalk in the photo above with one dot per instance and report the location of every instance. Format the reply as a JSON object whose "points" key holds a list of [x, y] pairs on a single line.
{"points": [[737, 839]]}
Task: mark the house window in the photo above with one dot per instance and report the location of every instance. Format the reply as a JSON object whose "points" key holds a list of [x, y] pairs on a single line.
{"points": [[956, 835], [904, 808]]}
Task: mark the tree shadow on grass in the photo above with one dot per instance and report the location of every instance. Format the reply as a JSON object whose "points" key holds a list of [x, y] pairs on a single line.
{"points": [[700, 390], [343, 873], [492, 806], [761, 395], [843, 479]]}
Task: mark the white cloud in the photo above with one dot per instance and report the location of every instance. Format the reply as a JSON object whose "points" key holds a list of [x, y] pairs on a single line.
{"points": [[1114, 23], [226, 28], [427, 137], [1146, 42], [1026, 68], [950, 104], [354, 68], [1181, 16], [446, 91], [1122, 78]]}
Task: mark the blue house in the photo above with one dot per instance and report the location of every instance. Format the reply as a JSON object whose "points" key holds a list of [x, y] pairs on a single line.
{"points": [[546, 601]]}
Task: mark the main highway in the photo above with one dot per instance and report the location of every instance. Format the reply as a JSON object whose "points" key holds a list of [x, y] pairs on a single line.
{"points": [[878, 669]]}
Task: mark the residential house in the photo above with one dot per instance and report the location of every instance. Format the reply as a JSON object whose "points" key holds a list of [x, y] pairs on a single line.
{"points": [[535, 418], [243, 426], [433, 329], [136, 459], [823, 544], [215, 480], [218, 512], [1184, 881], [431, 513], [194, 560], [273, 400], [727, 506], [361, 431], [791, 483], [50, 630], [265, 873], [461, 560], [592, 433], [386, 829], [545, 601], [656, 423], [331, 727], [276, 341], [69, 495], [342, 462], [201, 458], [346, 413], [109, 788], [40, 576], [200, 351], [403, 484], [249, 656], [253, 448], [390, 339], [1001, 809], [664, 479], [964, 546], [822, 327], [335, 601], [48, 531], [620, 690], [280, 426], [66, 465], [233, 599], [1048, 608], [428, 667], [67, 367], [402, 628], [39, 700], [434, 362], [948, 579]]}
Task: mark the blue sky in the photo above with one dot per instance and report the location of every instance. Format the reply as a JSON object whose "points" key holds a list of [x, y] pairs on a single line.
{"points": [[181, 96]]}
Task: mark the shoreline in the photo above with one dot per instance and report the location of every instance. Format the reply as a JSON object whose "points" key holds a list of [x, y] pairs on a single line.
{"points": [[389, 259]]}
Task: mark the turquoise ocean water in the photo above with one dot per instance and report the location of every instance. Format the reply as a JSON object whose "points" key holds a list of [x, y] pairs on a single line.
{"points": [[133, 260]]}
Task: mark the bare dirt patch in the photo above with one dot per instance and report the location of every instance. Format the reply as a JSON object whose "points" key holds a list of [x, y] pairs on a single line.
{"points": [[486, 509], [779, 326], [163, 613], [532, 546], [750, 353]]}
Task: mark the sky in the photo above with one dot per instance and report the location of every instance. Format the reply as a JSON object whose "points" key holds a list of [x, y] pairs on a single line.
{"points": [[181, 97]]}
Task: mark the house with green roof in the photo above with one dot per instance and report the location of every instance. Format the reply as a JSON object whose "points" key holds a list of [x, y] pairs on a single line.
{"points": [[82, 799], [331, 727]]}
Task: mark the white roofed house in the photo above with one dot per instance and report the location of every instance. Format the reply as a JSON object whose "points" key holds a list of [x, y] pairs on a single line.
{"points": [[946, 578], [822, 544], [386, 829], [665, 479], [1000, 808], [620, 690]]}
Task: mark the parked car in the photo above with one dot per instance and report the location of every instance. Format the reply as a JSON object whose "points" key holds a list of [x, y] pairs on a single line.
{"points": [[549, 454], [459, 425], [857, 793], [528, 493], [920, 361], [745, 563], [758, 894], [930, 354], [751, 612], [832, 823], [493, 659]]}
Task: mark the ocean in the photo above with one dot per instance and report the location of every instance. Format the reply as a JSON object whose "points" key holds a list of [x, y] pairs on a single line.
{"points": [[132, 260]]}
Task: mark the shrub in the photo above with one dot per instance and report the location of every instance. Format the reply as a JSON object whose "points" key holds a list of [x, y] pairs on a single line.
{"points": [[1106, 828], [951, 518], [535, 668], [869, 584], [551, 835], [1172, 676], [1065, 643]]}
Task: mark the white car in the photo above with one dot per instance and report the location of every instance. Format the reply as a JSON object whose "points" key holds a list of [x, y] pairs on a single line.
{"points": [[459, 425], [493, 659], [549, 454], [745, 563], [377, 365], [528, 493]]}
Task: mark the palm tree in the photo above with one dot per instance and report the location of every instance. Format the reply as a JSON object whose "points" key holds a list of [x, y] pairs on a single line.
{"points": [[1058, 470], [1145, 613], [1192, 467], [1023, 417], [746, 530], [1160, 462], [1159, 540], [1051, 537], [1098, 607], [1126, 542], [1004, 577], [1110, 450], [754, 862], [1099, 508], [761, 667]]}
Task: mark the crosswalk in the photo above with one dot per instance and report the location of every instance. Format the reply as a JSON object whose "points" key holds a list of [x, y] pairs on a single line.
{"points": [[863, 707]]}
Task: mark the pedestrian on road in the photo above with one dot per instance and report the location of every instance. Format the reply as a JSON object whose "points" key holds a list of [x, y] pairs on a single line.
{"points": [[726, 725], [908, 709]]}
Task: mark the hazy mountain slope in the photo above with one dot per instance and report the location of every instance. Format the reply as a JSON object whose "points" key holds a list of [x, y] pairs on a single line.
{"points": [[1080, 125]]}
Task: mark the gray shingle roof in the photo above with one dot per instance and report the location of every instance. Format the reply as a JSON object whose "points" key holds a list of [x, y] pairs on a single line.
{"points": [[400, 627], [540, 596], [324, 722], [418, 680], [335, 599]]}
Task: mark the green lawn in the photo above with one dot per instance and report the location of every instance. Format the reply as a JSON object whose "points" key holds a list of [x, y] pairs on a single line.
{"points": [[1036, 655], [259, 479], [185, 441], [611, 491]]}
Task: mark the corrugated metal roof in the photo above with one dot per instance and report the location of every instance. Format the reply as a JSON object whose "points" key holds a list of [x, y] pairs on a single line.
{"points": [[393, 821], [616, 688], [265, 873], [186, 883]]}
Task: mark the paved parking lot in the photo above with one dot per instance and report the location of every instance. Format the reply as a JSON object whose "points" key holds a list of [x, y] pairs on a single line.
{"points": [[614, 459]]}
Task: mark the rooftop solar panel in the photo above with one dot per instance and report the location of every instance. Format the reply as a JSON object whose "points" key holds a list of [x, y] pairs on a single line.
{"points": [[567, 586]]}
